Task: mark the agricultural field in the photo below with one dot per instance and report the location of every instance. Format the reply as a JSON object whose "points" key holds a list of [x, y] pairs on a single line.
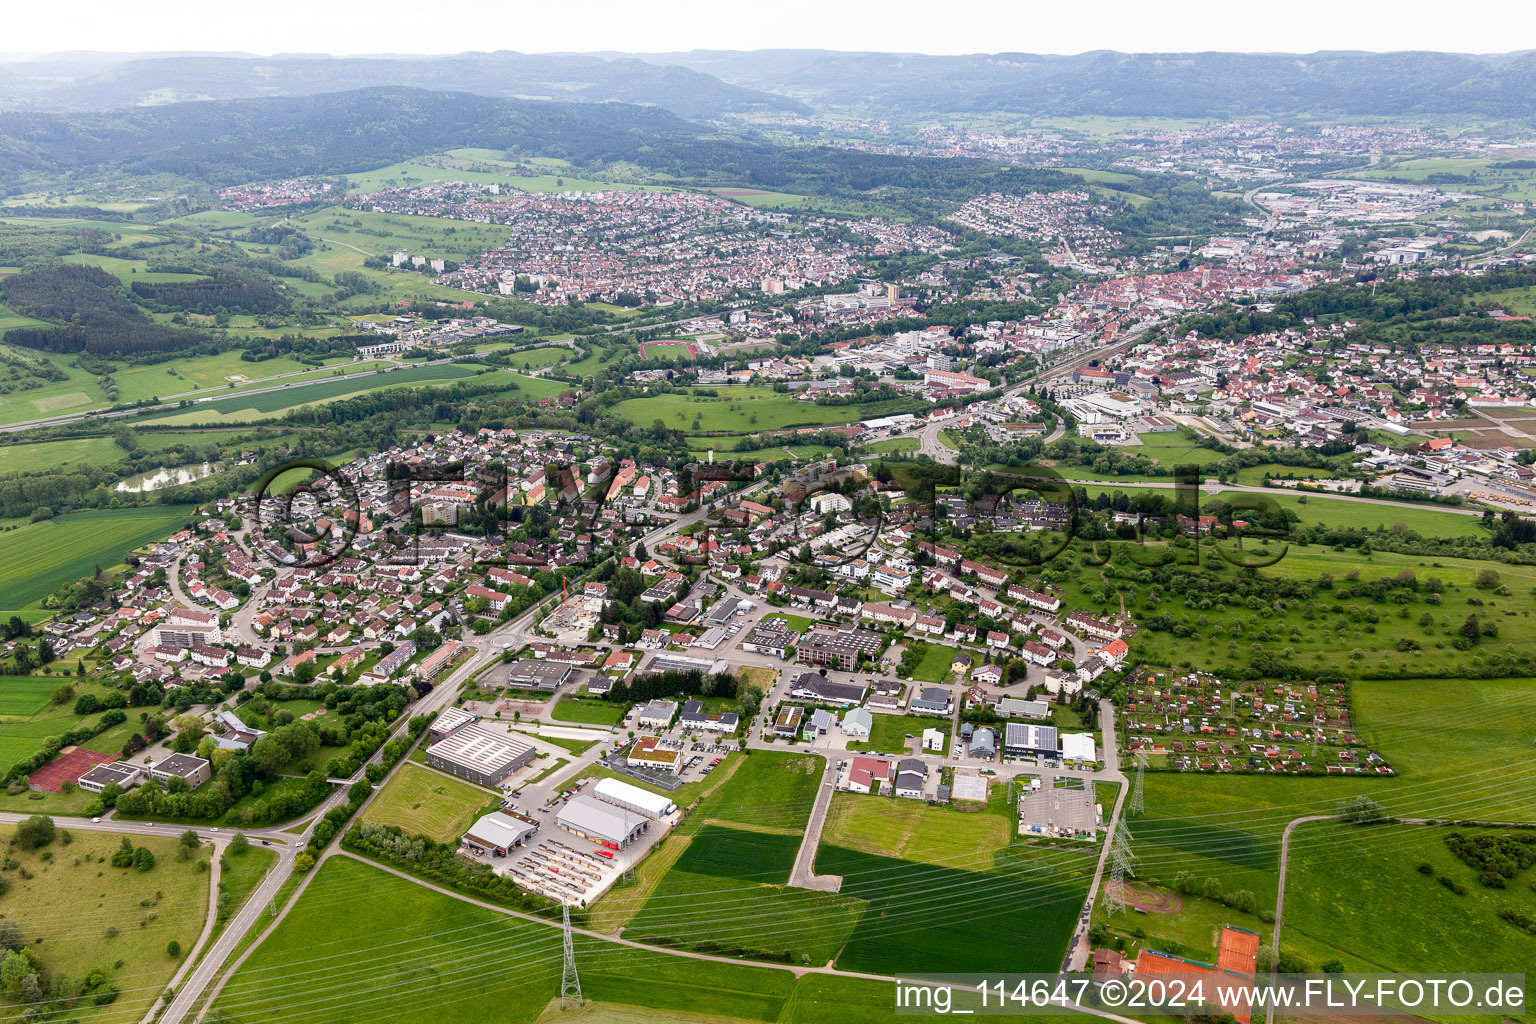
{"points": [[141, 382], [340, 959], [1007, 908], [38, 558], [57, 456], [424, 802], [119, 920], [78, 392], [482, 166], [743, 411], [1513, 184], [275, 404], [745, 870], [1222, 832]]}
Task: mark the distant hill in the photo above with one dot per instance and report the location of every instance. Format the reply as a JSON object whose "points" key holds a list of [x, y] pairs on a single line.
{"points": [[95, 82], [243, 140], [1142, 84], [224, 142]]}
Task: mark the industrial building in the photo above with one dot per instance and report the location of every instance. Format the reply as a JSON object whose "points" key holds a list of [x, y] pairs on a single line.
{"points": [[602, 822], [444, 724], [496, 834], [633, 798], [476, 753], [1023, 740]]}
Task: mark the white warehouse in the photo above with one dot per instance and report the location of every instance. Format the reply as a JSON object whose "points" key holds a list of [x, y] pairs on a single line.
{"points": [[633, 798]]}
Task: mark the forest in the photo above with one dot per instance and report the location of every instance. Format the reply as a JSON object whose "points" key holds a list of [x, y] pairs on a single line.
{"points": [[97, 316]]}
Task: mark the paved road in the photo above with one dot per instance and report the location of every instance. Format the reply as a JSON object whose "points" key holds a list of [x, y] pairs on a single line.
{"points": [[1077, 949], [804, 874], [216, 870]]}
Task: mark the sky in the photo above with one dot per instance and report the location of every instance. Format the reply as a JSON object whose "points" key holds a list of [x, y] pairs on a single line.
{"points": [[954, 26]]}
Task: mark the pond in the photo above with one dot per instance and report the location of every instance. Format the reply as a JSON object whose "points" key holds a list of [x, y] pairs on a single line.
{"points": [[154, 479]]}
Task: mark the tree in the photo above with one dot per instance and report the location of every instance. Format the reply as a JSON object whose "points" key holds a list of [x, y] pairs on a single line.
{"points": [[1471, 629], [189, 843], [1361, 810], [304, 861], [123, 858], [189, 729], [34, 832], [15, 970], [143, 860], [10, 935], [173, 948], [1486, 579]]}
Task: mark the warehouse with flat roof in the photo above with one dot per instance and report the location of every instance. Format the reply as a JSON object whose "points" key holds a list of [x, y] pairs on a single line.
{"points": [[1023, 740], [605, 823], [476, 753], [622, 794]]}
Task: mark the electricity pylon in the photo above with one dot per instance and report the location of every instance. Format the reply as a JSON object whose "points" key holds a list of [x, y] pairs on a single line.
{"points": [[1120, 860], [570, 984]]}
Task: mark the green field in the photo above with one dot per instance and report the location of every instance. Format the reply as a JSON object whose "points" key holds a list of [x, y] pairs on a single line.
{"points": [[936, 664], [239, 875], [1343, 882], [424, 802], [274, 404], [895, 444], [1224, 830], [889, 733], [360, 945], [744, 871], [54, 456], [38, 558], [1358, 636], [587, 711], [25, 696], [77, 915], [539, 358], [744, 410], [1011, 909], [383, 233]]}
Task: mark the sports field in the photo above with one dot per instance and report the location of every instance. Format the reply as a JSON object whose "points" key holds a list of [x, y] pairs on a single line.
{"points": [[38, 558], [424, 802]]}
